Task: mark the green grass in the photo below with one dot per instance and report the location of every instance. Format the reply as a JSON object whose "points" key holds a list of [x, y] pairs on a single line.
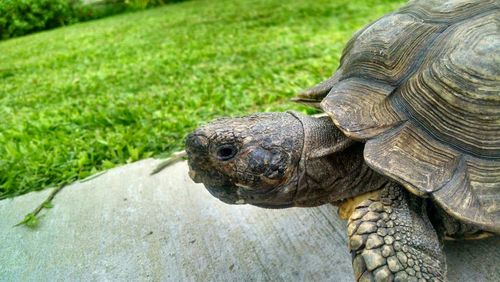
{"points": [[84, 98]]}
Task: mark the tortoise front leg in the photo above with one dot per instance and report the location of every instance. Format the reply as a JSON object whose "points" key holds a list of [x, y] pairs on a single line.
{"points": [[391, 238]]}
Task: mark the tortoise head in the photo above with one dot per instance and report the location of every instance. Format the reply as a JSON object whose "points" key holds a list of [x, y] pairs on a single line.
{"points": [[276, 160], [252, 159]]}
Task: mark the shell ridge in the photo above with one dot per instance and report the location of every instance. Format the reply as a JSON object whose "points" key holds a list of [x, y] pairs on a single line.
{"points": [[458, 168]]}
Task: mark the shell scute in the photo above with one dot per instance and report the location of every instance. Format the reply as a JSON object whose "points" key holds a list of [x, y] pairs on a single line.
{"points": [[383, 51], [351, 100], [447, 11]]}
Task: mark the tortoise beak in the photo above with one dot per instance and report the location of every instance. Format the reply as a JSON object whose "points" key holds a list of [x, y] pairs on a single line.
{"points": [[227, 195]]}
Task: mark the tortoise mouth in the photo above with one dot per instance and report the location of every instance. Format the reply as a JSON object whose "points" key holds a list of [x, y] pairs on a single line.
{"points": [[226, 194], [237, 196], [275, 207]]}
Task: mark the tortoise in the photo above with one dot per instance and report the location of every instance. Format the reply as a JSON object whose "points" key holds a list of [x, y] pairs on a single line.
{"points": [[408, 146]]}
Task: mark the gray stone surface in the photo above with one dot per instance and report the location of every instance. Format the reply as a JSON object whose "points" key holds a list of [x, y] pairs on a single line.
{"points": [[128, 226]]}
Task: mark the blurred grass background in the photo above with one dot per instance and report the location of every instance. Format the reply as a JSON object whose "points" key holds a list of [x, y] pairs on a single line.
{"points": [[21, 17], [87, 97]]}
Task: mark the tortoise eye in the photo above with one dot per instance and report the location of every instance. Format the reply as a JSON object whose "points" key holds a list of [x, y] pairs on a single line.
{"points": [[226, 152]]}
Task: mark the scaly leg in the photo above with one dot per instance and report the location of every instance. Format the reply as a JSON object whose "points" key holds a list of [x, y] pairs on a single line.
{"points": [[392, 239]]}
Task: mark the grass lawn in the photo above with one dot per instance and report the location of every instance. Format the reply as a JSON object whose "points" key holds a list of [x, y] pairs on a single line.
{"points": [[84, 98]]}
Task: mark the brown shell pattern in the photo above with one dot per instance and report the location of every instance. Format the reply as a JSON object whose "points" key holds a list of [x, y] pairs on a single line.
{"points": [[422, 87]]}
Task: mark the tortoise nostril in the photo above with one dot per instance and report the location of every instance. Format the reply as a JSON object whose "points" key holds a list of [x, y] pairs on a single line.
{"points": [[196, 142]]}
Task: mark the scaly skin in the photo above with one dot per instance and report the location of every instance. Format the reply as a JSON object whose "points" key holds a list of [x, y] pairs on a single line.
{"points": [[392, 239]]}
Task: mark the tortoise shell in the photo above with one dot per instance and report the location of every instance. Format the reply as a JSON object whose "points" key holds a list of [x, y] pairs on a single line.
{"points": [[421, 87]]}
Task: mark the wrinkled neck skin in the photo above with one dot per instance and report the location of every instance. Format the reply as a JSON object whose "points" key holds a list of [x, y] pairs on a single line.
{"points": [[330, 174]]}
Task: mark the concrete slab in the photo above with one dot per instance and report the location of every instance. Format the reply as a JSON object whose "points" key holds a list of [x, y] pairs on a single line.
{"points": [[128, 226]]}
